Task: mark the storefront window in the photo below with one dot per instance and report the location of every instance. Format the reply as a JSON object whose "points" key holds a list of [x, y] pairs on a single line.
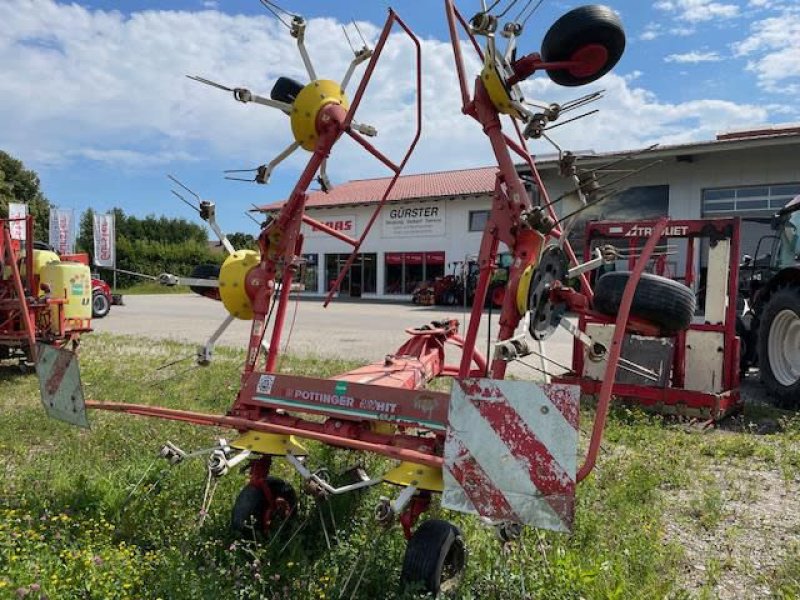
{"points": [[405, 271], [360, 279], [478, 219]]}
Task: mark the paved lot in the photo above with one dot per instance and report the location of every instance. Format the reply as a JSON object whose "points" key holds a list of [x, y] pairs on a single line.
{"points": [[359, 330]]}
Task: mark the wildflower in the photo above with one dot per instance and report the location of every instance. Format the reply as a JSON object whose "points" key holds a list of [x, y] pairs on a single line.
{"points": [[97, 560]]}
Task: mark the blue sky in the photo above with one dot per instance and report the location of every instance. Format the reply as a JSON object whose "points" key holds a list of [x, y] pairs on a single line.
{"points": [[93, 95]]}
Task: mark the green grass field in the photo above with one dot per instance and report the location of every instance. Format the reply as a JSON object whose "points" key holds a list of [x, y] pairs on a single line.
{"points": [[668, 513]]}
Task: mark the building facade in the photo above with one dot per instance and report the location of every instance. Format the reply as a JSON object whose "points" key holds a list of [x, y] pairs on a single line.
{"points": [[433, 222]]}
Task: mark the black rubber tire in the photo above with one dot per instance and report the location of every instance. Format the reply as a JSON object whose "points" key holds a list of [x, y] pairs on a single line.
{"points": [[658, 300], [206, 271], [101, 305], [285, 90], [435, 558], [247, 515], [592, 24], [747, 346], [785, 298]]}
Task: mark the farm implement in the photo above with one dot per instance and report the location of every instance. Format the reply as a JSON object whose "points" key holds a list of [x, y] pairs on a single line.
{"points": [[45, 300], [504, 450]]}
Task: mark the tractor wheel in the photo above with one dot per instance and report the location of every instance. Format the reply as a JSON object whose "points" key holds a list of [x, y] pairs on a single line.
{"points": [[101, 305], [779, 346], [658, 300], [285, 90], [250, 508], [435, 559], [591, 35], [747, 346]]}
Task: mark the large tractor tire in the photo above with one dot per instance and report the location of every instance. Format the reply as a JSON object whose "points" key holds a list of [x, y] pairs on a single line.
{"points": [[779, 346], [657, 300], [591, 35]]}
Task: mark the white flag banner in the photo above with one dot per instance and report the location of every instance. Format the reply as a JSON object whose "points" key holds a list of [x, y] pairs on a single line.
{"points": [[17, 211], [62, 236], [104, 240]]}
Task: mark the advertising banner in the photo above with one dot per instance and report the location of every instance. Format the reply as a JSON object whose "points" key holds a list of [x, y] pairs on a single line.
{"points": [[17, 211], [62, 235], [104, 240]]}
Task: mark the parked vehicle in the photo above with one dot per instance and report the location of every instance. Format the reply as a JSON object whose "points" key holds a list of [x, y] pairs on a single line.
{"points": [[102, 299], [769, 323]]}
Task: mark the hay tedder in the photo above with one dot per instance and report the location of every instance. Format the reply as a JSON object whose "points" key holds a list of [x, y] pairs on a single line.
{"points": [[504, 450]]}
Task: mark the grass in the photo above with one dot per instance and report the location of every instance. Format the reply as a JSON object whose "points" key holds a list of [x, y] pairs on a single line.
{"points": [[75, 524]]}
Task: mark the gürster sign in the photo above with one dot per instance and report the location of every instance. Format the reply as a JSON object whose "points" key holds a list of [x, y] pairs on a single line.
{"points": [[412, 220]]}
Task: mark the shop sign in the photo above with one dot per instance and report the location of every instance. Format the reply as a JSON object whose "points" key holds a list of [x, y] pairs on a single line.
{"points": [[413, 220]]}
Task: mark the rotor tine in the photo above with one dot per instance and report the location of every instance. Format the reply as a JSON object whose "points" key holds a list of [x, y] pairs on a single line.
{"points": [[189, 204], [209, 82], [627, 157], [559, 124], [175, 179], [582, 100], [347, 37], [363, 39], [252, 218], [240, 170], [174, 362], [239, 179], [268, 6]]}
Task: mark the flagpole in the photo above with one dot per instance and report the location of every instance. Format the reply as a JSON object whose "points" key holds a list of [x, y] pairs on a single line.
{"points": [[114, 247]]}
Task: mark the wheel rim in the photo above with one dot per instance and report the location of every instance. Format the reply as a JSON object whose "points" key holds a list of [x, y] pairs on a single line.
{"points": [[453, 567], [99, 303], [783, 347]]}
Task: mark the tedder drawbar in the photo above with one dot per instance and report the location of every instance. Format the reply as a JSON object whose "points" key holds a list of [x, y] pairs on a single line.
{"points": [[504, 450]]}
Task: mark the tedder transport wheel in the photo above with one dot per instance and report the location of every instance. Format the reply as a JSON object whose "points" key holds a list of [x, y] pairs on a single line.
{"points": [[100, 305], [435, 558], [285, 90], [591, 35], [247, 516], [658, 300], [779, 346]]}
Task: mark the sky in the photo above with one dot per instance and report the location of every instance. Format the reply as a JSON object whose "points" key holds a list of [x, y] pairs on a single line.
{"points": [[93, 95]]}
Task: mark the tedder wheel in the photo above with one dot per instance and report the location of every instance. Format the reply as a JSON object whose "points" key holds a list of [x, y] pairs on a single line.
{"points": [[436, 558], [285, 90], [779, 346], [658, 300], [100, 305], [591, 35], [247, 516]]}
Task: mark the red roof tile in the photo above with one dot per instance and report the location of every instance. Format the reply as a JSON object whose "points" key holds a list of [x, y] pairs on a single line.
{"points": [[423, 185]]}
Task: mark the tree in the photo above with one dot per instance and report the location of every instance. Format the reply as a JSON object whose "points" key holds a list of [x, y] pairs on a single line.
{"points": [[18, 184]]}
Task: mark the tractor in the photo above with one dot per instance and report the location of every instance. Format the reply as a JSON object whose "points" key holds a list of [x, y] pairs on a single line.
{"points": [[769, 324]]}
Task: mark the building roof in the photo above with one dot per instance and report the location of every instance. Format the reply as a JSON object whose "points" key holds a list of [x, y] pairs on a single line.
{"points": [[408, 187]]}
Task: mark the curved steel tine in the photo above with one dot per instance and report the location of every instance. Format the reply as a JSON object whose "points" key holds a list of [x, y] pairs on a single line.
{"points": [[209, 82]]}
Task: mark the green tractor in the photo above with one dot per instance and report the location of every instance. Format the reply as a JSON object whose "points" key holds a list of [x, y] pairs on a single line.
{"points": [[769, 325]]}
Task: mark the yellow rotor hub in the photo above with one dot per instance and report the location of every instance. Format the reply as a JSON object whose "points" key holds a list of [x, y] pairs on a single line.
{"points": [[272, 444], [420, 476], [496, 87], [306, 107], [232, 277]]}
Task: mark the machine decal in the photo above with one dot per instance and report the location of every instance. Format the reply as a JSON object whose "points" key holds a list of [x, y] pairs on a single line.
{"points": [[510, 451]]}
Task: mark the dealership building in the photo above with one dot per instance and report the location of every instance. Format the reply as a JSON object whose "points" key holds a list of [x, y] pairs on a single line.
{"points": [[433, 222]]}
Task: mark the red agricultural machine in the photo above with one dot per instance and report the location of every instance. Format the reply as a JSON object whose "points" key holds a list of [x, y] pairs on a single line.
{"points": [[45, 305], [504, 450]]}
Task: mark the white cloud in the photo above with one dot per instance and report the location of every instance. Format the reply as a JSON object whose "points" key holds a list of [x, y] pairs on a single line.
{"points": [[693, 57], [773, 50], [88, 84], [696, 11]]}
